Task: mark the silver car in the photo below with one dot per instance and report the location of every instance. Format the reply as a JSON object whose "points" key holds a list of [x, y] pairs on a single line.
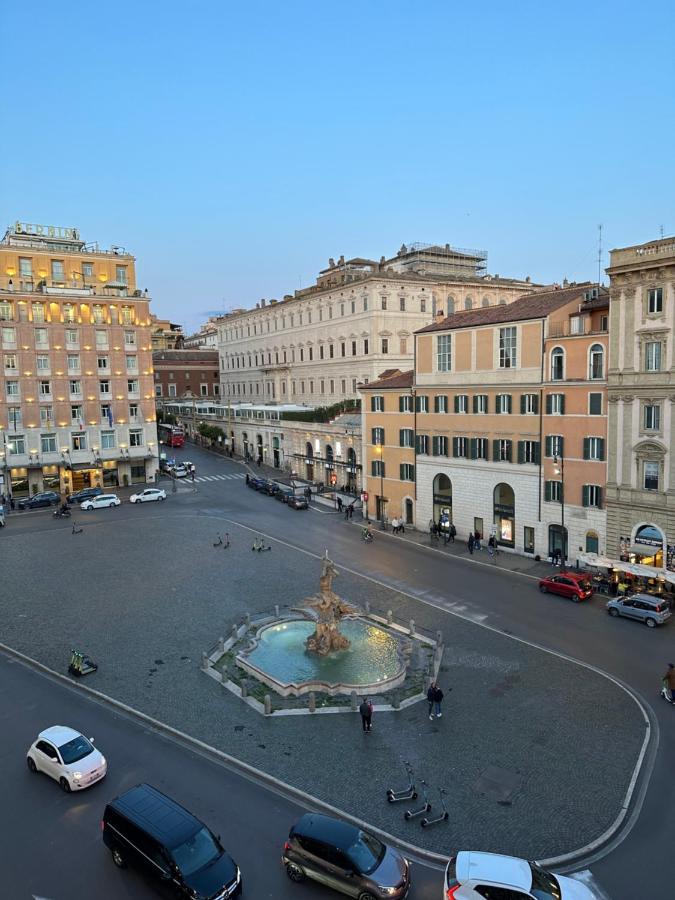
{"points": [[652, 611]]}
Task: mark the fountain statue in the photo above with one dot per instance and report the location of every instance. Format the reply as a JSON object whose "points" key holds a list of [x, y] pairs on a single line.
{"points": [[329, 610]]}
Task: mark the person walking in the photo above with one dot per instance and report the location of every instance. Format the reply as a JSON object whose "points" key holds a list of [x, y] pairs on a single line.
{"points": [[476, 541], [430, 698], [366, 710], [470, 543], [339, 503], [491, 545], [452, 533], [401, 526], [394, 525], [351, 510], [438, 699]]}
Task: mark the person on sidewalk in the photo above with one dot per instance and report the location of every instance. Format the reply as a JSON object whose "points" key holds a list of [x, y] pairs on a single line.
{"points": [[470, 542], [366, 710], [430, 697], [339, 503], [438, 699], [452, 533], [491, 545], [401, 526], [394, 525], [351, 510], [476, 541], [347, 508]]}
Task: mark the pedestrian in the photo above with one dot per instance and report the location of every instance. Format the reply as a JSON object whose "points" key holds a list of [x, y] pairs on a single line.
{"points": [[248, 478], [491, 545], [470, 542], [394, 525], [366, 710], [259, 461], [453, 533], [351, 510], [339, 503], [347, 508], [431, 695], [2, 499], [438, 699], [401, 526], [476, 541], [11, 503], [192, 473]]}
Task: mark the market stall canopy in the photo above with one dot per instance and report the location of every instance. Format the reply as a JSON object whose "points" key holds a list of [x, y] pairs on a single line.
{"points": [[595, 561]]}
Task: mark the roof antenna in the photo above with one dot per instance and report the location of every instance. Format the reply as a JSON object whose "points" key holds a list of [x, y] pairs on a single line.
{"points": [[599, 253], [661, 230]]}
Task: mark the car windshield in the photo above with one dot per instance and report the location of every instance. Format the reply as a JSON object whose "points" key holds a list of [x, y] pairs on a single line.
{"points": [[366, 853], [197, 852], [544, 885], [75, 750]]}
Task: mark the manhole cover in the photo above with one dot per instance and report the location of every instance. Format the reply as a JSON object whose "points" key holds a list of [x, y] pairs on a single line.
{"points": [[498, 784]]}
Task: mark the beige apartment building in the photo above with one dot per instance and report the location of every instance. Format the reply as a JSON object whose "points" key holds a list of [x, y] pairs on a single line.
{"points": [[317, 345], [76, 384], [641, 477], [503, 428]]}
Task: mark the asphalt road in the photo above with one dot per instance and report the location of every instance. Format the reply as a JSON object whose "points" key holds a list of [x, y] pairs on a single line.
{"points": [[51, 841]]}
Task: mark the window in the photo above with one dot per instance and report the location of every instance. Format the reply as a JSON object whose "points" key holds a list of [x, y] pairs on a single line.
{"points": [[440, 403], [172, 390], [365, 346], [135, 437], [104, 387], [204, 389], [461, 403], [48, 443], [439, 445], [503, 404], [12, 388], [443, 353], [653, 356], [25, 267], [121, 274], [596, 362], [577, 324], [107, 440], [73, 363], [311, 355], [17, 446], [594, 448], [377, 468], [132, 385], [507, 347], [406, 437], [529, 404], [655, 301], [365, 304], [10, 362], [422, 403], [78, 441], [402, 346], [423, 304], [468, 303], [553, 491], [45, 388], [378, 436], [75, 388], [377, 403], [384, 302], [591, 495], [102, 363], [76, 413], [343, 349], [557, 364], [595, 404], [133, 412], [72, 336], [407, 472], [132, 363], [9, 335], [501, 450], [38, 312], [98, 316], [353, 348], [478, 448], [129, 338], [652, 417], [528, 539], [158, 390], [554, 445], [69, 313], [87, 270], [528, 452], [651, 476], [101, 338], [460, 447], [385, 345], [555, 404], [58, 273], [480, 403], [6, 313], [405, 403], [422, 444]]}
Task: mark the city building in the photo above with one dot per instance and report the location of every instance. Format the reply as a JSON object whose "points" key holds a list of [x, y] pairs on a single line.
{"points": [[76, 387], [317, 345], [503, 429], [186, 373], [204, 339], [641, 476], [166, 335]]}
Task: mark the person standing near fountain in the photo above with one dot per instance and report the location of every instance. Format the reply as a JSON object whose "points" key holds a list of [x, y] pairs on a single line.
{"points": [[366, 710]]}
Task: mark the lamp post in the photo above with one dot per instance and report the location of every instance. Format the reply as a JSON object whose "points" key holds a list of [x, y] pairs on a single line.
{"points": [[379, 449], [559, 464]]}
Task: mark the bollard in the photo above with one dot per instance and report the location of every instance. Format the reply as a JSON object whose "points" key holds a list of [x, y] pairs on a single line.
{"points": [[244, 689], [235, 633], [247, 620], [276, 610], [367, 607], [439, 637], [411, 626], [390, 617], [221, 644], [312, 701], [353, 701], [205, 661], [268, 705]]}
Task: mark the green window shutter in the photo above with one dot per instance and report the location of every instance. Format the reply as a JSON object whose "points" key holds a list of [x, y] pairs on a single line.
{"points": [[473, 448], [486, 447], [372, 404], [455, 447], [401, 472], [601, 448], [587, 448], [456, 403], [549, 404], [548, 445], [401, 437], [400, 404], [475, 404], [373, 436], [508, 403], [535, 403], [599, 498], [537, 452], [521, 451], [584, 495], [523, 401], [495, 450], [509, 451], [562, 404], [547, 490], [561, 444]]}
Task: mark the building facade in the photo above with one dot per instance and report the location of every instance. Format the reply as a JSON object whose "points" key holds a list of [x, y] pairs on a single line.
{"points": [[76, 386], [641, 477], [204, 339], [186, 373], [165, 334], [359, 318]]}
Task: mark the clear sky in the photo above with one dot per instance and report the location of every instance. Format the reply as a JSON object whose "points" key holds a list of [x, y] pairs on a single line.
{"points": [[234, 147]]}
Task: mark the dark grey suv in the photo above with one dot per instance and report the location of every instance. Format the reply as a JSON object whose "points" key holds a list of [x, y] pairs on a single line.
{"points": [[344, 858]]}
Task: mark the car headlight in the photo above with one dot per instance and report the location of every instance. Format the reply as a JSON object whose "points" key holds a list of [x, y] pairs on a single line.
{"points": [[238, 875], [104, 762], [386, 890], [77, 775]]}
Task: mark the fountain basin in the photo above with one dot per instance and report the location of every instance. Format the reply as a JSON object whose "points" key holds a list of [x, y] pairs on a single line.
{"points": [[372, 664]]}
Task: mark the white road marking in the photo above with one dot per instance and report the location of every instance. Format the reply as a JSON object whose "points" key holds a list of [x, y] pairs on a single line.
{"points": [[218, 477]]}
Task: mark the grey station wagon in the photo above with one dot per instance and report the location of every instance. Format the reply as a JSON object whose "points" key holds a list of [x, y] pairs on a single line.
{"points": [[652, 611]]}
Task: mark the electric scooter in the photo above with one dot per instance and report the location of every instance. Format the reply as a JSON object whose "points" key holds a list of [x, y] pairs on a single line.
{"points": [[665, 693], [408, 793], [425, 808], [442, 817]]}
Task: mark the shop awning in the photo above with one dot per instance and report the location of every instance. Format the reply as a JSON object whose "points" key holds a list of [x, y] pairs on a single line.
{"points": [[642, 571], [595, 561], [645, 550]]}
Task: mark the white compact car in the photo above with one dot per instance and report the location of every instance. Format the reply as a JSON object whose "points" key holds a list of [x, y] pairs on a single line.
{"points": [[180, 471], [100, 502], [474, 876], [68, 757], [148, 494]]}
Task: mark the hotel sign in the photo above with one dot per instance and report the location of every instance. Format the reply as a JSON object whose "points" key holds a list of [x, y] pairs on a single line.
{"points": [[50, 231]]}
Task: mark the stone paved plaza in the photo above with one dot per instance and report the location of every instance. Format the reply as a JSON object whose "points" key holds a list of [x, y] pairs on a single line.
{"points": [[527, 746]]}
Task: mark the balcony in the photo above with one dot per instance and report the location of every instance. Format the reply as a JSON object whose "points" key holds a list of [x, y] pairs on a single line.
{"points": [[558, 330], [644, 255]]}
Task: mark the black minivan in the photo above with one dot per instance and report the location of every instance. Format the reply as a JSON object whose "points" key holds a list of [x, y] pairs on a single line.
{"points": [[148, 829]]}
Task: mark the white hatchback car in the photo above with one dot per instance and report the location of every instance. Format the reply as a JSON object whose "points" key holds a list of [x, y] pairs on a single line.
{"points": [[68, 757], [100, 502], [474, 876], [148, 494]]}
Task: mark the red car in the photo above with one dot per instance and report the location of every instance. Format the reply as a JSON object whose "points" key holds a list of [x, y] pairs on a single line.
{"points": [[573, 585]]}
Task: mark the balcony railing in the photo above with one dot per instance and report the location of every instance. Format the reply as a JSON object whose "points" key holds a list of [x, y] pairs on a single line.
{"points": [[564, 329]]}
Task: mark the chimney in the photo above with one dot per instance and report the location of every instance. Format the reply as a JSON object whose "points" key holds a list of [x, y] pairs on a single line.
{"points": [[263, 303]]}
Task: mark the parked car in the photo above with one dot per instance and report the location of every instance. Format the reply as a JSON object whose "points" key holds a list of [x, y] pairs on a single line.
{"points": [[298, 502], [101, 502], [652, 611], [2, 516], [345, 858], [271, 488], [283, 494], [85, 494], [68, 757], [179, 471], [147, 495], [473, 876], [256, 483], [575, 586], [44, 498], [169, 845]]}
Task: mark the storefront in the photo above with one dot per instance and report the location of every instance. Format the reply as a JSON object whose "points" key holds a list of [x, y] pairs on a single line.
{"points": [[19, 482], [442, 499], [51, 478], [504, 511], [110, 477]]}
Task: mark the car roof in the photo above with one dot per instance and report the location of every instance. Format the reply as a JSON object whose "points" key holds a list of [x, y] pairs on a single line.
{"points": [[648, 598], [331, 831], [493, 867], [158, 815], [59, 734]]}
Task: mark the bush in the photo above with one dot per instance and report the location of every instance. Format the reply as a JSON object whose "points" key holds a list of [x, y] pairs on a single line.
{"points": [[323, 413]]}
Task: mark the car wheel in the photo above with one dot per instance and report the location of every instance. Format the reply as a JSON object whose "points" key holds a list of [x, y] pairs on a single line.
{"points": [[366, 895], [650, 623], [543, 589], [64, 785], [161, 498], [110, 505], [294, 872], [118, 858], [575, 598], [614, 612], [30, 762]]}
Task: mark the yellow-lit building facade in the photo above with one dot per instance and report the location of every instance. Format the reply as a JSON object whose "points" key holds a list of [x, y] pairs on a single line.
{"points": [[76, 384]]}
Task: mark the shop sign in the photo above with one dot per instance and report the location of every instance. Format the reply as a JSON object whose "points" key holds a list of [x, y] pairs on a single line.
{"points": [[444, 499], [505, 510]]}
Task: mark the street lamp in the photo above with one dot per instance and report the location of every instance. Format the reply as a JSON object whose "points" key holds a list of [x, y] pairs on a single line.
{"points": [[559, 469], [379, 449]]}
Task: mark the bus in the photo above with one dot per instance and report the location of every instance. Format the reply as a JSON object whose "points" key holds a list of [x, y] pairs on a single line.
{"points": [[170, 435]]}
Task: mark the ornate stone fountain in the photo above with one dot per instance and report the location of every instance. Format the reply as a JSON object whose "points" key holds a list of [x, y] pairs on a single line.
{"points": [[330, 608]]}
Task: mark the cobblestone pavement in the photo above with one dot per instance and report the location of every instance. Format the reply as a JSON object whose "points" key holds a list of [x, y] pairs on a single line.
{"points": [[526, 748]]}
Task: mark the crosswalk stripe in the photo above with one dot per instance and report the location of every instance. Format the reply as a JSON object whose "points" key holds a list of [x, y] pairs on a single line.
{"points": [[202, 478]]}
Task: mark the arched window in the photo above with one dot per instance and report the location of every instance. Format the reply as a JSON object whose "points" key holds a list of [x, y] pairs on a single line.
{"points": [[442, 496], [451, 305], [502, 301], [592, 542], [504, 513], [468, 303], [557, 364], [596, 362], [309, 450], [485, 302]]}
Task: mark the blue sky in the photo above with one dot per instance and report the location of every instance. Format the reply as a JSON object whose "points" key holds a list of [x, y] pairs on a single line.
{"points": [[234, 147]]}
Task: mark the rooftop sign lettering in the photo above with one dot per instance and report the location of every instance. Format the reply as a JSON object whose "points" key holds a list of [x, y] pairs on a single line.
{"points": [[49, 231]]}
